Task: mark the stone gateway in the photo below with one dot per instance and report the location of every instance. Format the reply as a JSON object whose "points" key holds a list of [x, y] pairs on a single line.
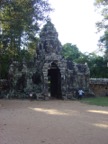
{"points": [[48, 74]]}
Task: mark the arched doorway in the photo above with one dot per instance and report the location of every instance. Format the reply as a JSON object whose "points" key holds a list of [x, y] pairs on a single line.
{"points": [[54, 79]]}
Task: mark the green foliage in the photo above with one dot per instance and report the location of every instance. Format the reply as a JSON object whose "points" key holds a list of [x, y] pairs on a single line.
{"points": [[97, 64], [102, 7], [32, 46], [101, 2], [70, 51], [98, 67], [20, 20], [19, 24]]}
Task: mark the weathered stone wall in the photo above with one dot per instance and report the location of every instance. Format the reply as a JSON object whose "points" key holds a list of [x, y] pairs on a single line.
{"points": [[25, 79], [99, 86]]}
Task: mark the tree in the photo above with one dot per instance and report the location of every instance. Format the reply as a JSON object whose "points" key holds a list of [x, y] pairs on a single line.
{"points": [[70, 51], [98, 67], [102, 7], [20, 20], [97, 64], [19, 25]]}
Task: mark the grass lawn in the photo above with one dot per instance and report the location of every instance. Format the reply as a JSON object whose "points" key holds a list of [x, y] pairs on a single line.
{"points": [[99, 101]]}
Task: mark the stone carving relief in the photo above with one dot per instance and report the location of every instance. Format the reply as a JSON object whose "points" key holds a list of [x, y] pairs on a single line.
{"points": [[65, 74]]}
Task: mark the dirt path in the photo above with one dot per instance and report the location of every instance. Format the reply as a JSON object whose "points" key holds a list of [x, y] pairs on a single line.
{"points": [[52, 122]]}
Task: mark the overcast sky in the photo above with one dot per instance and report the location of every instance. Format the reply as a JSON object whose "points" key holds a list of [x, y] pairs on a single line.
{"points": [[75, 23]]}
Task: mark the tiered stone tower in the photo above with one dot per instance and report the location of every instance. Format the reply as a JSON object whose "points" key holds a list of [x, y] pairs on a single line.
{"points": [[68, 75], [51, 74]]}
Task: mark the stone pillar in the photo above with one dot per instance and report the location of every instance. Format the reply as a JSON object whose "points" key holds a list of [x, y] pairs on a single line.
{"points": [[63, 84], [45, 75]]}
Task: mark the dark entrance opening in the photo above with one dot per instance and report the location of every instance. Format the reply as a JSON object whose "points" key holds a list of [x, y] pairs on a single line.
{"points": [[54, 78]]}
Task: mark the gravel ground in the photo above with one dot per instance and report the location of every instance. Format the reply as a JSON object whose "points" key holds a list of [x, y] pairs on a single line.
{"points": [[52, 122]]}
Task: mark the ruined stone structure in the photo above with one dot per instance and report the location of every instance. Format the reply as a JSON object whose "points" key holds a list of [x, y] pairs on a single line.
{"points": [[49, 74], [99, 86]]}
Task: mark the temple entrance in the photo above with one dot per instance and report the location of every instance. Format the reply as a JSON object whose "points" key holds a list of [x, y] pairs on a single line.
{"points": [[54, 79]]}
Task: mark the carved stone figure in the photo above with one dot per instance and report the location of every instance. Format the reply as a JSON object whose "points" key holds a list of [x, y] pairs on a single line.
{"points": [[50, 74]]}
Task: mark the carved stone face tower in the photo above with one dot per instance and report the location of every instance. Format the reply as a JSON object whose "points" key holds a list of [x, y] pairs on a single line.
{"points": [[49, 39], [60, 76], [51, 74], [54, 66]]}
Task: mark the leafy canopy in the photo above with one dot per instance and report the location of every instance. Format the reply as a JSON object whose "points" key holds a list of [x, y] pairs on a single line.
{"points": [[20, 20], [19, 24], [70, 51], [102, 7]]}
